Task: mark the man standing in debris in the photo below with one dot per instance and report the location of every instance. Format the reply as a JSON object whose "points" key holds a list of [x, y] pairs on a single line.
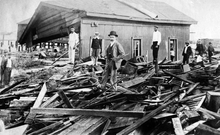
{"points": [[96, 47], [200, 48], [3, 67], [211, 50], [156, 43], [7, 73], [114, 54], [187, 51], [73, 41]]}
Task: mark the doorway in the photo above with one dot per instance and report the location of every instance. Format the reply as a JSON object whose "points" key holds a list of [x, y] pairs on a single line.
{"points": [[173, 48], [136, 47]]}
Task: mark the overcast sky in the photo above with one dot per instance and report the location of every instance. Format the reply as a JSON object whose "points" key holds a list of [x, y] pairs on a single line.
{"points": [[206, 12]]}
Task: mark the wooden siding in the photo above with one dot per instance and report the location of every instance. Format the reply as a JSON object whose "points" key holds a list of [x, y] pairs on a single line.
{"points": [[128, 29]]}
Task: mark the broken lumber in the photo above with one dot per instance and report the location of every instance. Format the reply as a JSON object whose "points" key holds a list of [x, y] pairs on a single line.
{"points": [[173, 75], [90, 112], [65, 99], [206, 130], [11, 86], [144, 119], [37, 103]]}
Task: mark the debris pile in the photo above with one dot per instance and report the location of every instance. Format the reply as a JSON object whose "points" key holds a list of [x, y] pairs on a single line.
{"points": [[69, 100]]}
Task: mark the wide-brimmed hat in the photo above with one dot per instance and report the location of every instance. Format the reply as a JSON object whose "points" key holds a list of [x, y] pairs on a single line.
{"points": [[113, 33]]}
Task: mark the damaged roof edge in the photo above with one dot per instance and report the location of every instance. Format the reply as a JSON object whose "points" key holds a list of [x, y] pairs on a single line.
{"points": [[21, 40], [140, 19]]}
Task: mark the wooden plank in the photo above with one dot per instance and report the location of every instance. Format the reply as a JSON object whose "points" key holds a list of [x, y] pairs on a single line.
{"points": [[216, 115], [193, 126], [37, 103], [90, 112], [132, 82], [47, 128], [173, 75], [50, 100], [40, 97], [178, 129], [65, 99], [15, 131], [144, 119], [11, 86], [206, 130]]}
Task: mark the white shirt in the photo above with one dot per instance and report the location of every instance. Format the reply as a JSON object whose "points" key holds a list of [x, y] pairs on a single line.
{"points": [[186, 47], [9, 63], [172, 53], [111, 43], [157, 37], [73, 39]]}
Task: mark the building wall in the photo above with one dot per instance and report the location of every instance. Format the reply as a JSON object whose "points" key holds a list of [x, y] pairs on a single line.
{"points": [[128, 29]]}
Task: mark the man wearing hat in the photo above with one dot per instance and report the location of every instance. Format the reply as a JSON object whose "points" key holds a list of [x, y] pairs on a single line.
{"points": [[156, 43], [211, 51], [187, 51], [96, 47], [114, 54], [73, 41]]}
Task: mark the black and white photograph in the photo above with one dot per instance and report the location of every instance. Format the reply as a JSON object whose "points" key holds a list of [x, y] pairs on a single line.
{"points": [[109, 67]]}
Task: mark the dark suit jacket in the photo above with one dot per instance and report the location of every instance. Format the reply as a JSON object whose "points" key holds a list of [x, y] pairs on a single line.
{"points": [[188, 51]]}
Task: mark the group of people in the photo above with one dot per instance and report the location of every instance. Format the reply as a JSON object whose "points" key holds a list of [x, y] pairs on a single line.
{"points": [[200, 50], [115, 52], [6, 68]]}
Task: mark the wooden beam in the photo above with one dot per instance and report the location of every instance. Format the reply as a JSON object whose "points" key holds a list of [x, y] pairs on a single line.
{"points": [[173, 75], [50, 100], [37, 103], [90, 112], [216, 115], [177, 126], [206, 130], [65, 99], [11, 86], [144, 119]]}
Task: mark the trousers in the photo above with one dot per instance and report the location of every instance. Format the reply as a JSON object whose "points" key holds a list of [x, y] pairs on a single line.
{"points": [[110, 70], [155, 48]]}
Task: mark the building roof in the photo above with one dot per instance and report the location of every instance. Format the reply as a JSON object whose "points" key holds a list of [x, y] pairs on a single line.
{"points": [[25, 21], [131, 10], [124, 8]]}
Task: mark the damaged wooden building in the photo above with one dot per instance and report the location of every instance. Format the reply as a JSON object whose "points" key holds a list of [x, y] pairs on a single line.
{"points": [[132, 20]]}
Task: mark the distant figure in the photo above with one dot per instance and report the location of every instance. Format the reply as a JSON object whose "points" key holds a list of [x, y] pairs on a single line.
{"points": [[200, 48], [156, 43], [3, 68], [7, 73], [73, 41], [96, 48], [172, 54], [187, 51], [211, 51], [114, 54]]}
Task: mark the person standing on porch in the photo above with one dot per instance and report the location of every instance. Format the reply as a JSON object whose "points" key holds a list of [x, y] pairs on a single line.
{"points": [[156, 43], [114, 55], [96, 48], [73, 41]]}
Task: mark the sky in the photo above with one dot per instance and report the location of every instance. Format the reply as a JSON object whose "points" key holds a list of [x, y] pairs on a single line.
{"points": [[206, 12]]}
